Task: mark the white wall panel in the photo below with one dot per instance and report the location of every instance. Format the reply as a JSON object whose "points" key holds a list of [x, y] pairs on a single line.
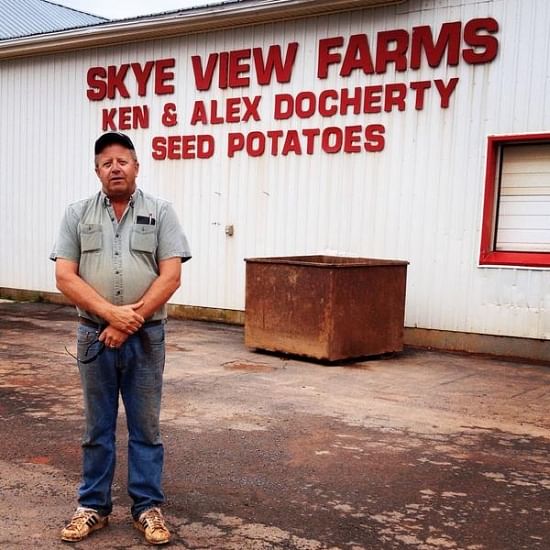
{"points": [[420, 199]]}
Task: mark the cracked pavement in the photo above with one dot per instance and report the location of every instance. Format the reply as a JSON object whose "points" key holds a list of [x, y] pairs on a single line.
{"points": [[420, 450]]}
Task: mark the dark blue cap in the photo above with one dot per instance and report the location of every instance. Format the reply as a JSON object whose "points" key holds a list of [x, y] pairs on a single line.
{"points": [[110, 138]]}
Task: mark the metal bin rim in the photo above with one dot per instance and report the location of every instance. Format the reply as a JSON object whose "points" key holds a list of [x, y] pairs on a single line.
{"points": [[327, 261]]}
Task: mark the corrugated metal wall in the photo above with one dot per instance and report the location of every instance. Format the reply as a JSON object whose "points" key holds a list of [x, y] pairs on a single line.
{"points": [[420, 199]]}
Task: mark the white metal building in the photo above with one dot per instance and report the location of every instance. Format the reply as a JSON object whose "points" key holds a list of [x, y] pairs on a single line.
{"points": [[416, 130]]}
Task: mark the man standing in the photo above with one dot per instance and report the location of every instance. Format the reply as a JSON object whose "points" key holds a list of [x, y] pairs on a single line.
{"points": [[118, 259]]}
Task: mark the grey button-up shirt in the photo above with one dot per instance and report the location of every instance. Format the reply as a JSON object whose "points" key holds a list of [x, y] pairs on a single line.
{"points": [[119, 259]]}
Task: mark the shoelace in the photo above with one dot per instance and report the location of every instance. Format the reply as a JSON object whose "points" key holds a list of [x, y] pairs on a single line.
{"points": [[82, 517], [153, 520]]}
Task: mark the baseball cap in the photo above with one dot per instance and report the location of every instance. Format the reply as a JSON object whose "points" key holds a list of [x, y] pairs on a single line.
{"points": [[110, 138]]}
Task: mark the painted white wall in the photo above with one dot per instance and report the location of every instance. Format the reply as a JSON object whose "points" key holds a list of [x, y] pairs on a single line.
{"points": [[420, 199]]}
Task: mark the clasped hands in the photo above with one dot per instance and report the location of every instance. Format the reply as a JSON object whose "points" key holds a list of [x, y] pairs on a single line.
{"points": [[123, 322]]}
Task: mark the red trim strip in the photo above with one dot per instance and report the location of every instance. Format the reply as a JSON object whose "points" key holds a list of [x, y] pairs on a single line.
{"points": [[487, 255]]}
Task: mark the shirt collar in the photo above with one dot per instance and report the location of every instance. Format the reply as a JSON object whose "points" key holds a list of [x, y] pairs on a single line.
{"points": [[107, 201]]}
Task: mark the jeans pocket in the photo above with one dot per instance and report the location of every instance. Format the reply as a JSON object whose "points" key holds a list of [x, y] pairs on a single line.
{"points": [[152, 342], [154, 334], [85, 335], [87, 344]]}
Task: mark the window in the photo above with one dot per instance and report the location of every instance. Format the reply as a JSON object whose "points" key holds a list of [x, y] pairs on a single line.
{"points": [[516, 213]]}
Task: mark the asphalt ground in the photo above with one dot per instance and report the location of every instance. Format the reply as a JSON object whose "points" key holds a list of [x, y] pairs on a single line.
{"points": [[418, 450]]}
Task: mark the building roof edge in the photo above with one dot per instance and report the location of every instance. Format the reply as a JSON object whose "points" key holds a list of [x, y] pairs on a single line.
{"points": [[195, 20]]}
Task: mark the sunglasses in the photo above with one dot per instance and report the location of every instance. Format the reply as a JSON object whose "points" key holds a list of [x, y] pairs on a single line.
{"points": [[93, 357]]}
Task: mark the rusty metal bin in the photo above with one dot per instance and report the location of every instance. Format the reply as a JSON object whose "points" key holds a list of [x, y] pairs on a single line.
{"points": [[329, 308]]}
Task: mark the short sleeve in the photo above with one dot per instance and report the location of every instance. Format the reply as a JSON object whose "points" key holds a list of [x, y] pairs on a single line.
{"points": [[67, 245], [172, 242]]}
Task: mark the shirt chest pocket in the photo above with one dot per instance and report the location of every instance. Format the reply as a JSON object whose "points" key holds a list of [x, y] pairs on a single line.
{"points": [[91, 237], [143, 238]]}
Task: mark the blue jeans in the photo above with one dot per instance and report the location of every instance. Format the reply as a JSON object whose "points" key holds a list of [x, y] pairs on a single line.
{"points": [[135, 372]]}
